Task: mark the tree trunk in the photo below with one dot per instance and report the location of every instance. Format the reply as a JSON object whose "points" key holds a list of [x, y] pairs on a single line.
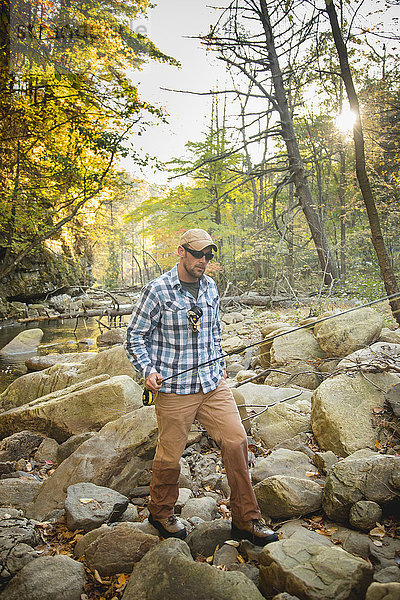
{"points": [[385, 265], [303, 190]]}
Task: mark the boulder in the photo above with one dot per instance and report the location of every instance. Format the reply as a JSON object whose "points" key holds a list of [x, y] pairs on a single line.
{"points": [[379, 355], [264, 395], [342, 411], [39, 363], [50, 577], [206, 536], [299, 345], [232, 317], [282, 497], [383, 591], [282, 462], [47, 451], [31, 386], [233, 344], [111, 337], [87, 506], [364, 515], [390, 335], [71, 444], [361, 476], [118, 548], [298, 372], [115, 457], [183, 578], [205, 508], [26, 341], [313, 571], [68, 412], [17, 536], [18, 492], [20, 445], [283, 420], [346, 333], [393, 398]]}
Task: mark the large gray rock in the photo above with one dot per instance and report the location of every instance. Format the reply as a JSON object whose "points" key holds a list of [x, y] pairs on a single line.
{"points": [[265, 395], [282, 462], [34, 385], [379, 356], [19, 445], [341, 413], [281, 496], [205, 508], [87, 506], [118, 548], [18, 493], [39, 363], [26, 341], [17, 536], [183, 579], [344, 334], [206, 536], [71, 411], [299, 345], [299, 372], [115, 457], [361, 476], [383, 591], [283, 420], [48, 577], [313, 571]]}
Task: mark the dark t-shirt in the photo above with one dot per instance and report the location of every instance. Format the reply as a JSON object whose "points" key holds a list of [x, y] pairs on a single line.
{"points": [[192, 288]]}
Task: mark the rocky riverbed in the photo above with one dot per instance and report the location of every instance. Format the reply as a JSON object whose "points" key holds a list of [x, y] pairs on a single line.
{"points": [[321, 406]]}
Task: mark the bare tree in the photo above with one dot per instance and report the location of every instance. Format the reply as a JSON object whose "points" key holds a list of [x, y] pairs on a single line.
{"points": [[255, 55], [385, 265]]}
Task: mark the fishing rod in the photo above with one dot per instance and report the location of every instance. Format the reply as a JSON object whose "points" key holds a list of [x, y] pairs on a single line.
{"points": [[148, 394]]}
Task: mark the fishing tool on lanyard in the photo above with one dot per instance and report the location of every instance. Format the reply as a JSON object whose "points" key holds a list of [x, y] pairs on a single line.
{"points": [[148, 396]]}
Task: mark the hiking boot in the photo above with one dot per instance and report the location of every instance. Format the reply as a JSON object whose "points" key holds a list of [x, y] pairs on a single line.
{"points": [[169, 527], [255, 531]]}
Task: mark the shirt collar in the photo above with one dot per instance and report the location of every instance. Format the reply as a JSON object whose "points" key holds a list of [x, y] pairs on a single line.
{"points": [[175, 281]]}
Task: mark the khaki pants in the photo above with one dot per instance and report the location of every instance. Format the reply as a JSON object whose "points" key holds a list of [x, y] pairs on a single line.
{"points": [[218, 413]]}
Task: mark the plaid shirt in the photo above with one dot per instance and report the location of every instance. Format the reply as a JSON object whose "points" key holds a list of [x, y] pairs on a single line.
{"points": [[159, 338]]}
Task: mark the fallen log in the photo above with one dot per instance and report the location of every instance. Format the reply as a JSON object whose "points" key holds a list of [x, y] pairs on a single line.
{"points": [[248, 300], [90, 312]]}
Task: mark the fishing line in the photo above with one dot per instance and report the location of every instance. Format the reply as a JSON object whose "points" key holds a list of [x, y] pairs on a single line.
{"points": [[286, 332]]}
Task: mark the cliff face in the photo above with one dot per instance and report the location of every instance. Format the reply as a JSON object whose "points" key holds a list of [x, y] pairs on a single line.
{"points": [[40, 274]]}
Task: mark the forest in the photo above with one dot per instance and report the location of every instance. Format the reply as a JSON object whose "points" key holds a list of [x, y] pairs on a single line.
{"points": [[296, 176]]}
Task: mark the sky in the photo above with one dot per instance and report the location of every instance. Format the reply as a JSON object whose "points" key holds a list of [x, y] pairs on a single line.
{"points": [[173, 25]]}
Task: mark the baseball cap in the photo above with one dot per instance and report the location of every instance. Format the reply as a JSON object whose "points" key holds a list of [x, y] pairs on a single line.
{"points": [[197, 239]]}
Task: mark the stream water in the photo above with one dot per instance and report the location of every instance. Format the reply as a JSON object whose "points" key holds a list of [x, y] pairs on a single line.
{"points": [[59, 337]]}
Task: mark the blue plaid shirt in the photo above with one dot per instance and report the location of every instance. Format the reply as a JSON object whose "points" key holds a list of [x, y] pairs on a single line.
{"points": [[159, 338]]}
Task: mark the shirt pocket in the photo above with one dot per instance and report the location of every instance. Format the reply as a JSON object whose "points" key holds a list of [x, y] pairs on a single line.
{"points": [[174, 317]]}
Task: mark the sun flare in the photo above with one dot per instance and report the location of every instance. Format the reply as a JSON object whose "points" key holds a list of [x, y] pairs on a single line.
{"points": [[345, 121]]}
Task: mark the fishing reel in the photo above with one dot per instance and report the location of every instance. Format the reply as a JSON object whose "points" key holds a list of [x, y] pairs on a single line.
{"points": [[194, 315], [147, 397]]}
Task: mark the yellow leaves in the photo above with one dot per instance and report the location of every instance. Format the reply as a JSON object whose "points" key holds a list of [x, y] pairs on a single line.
{"points": [[97, 576], [86, 500]]}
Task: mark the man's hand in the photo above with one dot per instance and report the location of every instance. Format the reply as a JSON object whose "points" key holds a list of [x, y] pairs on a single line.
{"points": [[224, 374], [153, 382]]}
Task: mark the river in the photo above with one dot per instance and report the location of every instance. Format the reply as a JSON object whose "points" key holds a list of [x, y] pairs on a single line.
{"points": [[59, 337]]}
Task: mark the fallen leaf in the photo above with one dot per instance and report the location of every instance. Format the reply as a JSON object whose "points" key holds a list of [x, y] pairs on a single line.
{"points": [[86, 500], [121, 580], [97, 576], [240, 559], [377, 543], [209, 559], [312, 473], [233, 543], [378, 445], [378, 531]]}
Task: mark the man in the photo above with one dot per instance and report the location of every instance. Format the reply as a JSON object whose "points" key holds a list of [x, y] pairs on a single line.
{"points": [[175, 327]]}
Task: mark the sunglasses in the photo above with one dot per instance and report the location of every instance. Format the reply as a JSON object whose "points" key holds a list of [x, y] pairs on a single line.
{"points": [[199, 253]]}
